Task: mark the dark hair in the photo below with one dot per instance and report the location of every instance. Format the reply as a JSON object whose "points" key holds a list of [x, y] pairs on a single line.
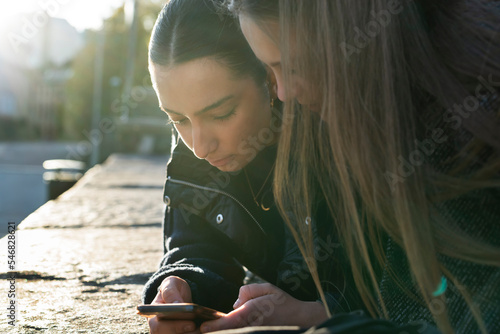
{"points": [[256, 9], [191, 29]]}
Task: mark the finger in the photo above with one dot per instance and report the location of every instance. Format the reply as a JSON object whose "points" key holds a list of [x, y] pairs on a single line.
{"points": [[226, 322], [263, 310], [158, 325], [158, 299], [171, 296], [175, 290], [246, 315], [196, 331], [251, 291]]}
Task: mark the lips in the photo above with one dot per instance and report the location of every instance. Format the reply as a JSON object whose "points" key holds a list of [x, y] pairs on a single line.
{"points": [[220, 162], [315, 107]]}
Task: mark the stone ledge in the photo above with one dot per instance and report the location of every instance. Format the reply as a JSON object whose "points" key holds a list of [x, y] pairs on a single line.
{"points": [[83, 258]]}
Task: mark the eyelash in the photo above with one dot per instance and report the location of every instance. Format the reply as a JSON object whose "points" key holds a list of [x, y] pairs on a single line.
{"points": [[218, 118], [171, 121], [226, 116]]}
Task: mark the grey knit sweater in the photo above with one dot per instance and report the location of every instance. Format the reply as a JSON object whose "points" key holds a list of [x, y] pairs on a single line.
{"points": [[478, 214]]}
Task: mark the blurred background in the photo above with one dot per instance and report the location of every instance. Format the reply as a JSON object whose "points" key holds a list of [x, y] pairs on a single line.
{"points": [[74, 85]]}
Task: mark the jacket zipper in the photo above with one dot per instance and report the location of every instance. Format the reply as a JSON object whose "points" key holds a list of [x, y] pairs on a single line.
{"points": [[219, 192]]}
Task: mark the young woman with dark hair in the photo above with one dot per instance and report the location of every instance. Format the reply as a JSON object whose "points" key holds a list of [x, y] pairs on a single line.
{"points": [[398, 130], [220, 213]]}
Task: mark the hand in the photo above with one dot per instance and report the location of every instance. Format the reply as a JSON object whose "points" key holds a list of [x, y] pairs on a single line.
{"points": [[173, 289], [265, 304]]}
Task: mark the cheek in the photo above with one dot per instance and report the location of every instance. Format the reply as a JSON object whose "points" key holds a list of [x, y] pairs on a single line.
{"points": [[256, 126], [185, 135], [238, 133], [304, 91]]}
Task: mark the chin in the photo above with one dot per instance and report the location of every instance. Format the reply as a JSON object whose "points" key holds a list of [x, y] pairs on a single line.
{"points": [[232, 166], [310, 105], [316, 107], [225, 169]]}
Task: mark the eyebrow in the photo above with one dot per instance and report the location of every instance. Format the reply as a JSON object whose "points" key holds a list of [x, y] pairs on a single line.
{"points": [[204, 110]]}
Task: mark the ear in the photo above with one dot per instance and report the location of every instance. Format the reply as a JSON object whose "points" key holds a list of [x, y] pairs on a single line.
{"points": [[271, 84]]}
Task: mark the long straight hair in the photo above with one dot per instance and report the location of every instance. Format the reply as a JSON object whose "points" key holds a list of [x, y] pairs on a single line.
{"points": [[388, 78]]}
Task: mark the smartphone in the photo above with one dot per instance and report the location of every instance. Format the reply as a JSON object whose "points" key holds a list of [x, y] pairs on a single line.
{"points": [[179, 311]]}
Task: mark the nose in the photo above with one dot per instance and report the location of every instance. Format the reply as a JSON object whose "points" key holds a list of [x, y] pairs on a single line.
{"points": [[295, 91], [203, 142], [280, 88]]}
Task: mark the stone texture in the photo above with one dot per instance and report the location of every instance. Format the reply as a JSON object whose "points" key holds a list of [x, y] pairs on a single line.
{"points": [[83, 258]]}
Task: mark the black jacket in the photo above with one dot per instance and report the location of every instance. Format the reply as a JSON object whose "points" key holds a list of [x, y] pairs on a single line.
{"points": [[212, 227]]}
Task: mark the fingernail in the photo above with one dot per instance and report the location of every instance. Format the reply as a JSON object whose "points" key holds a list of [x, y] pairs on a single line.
{"points": [[188, 328], [176, 301], [205, 328], [236, 303]]}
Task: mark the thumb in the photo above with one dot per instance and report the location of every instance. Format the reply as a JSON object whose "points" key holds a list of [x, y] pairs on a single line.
{"points": [[252, 291], [175, 290]]}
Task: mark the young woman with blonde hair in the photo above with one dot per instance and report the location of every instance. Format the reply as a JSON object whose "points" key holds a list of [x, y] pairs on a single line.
{"points": [[398, 130]]}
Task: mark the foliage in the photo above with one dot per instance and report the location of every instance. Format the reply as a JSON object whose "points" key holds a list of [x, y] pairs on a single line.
{"points": [[79, 89]]}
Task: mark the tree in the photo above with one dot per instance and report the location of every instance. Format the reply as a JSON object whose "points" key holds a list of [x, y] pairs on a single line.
{"points": [[79, 89]]}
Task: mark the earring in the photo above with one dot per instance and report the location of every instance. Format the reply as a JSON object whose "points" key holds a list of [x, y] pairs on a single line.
{"points": [[272, 104], [308, 220]]}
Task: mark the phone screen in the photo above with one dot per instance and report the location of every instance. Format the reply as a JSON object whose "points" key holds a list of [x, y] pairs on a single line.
{"points": [[179, 311]]}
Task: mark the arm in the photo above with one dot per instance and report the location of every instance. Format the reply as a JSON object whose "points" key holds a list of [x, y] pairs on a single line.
{"points": [[202, 257], [297, 302], [293, 303], [338, 286]]}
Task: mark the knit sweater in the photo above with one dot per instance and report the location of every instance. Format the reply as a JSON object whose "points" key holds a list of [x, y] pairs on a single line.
{"points": [[477, 213]]}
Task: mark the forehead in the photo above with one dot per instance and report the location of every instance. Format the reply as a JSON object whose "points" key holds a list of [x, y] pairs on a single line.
{"points": [[263, 38], [191, 86], [192, 71]]}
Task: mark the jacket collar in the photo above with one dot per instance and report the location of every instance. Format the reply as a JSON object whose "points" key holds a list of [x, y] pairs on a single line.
{"points": [[184, 165]]}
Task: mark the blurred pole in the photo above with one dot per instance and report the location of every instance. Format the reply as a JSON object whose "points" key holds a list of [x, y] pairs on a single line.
{"points": [[132, 17], [44, 104], [97, 98]]}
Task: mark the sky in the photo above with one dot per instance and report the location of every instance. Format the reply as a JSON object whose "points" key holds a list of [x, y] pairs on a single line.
{"points": [[82, 14], [22, 21]]}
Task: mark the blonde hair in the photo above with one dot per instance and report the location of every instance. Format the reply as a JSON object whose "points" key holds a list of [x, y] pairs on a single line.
{"points": [[375, 97]]}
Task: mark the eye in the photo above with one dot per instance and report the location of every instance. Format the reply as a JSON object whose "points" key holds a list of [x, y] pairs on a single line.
{"points": [[226, 116], [177, 122]]}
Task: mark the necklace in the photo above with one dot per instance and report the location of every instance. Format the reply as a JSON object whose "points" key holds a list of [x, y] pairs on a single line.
{"points": [[261, 205]]}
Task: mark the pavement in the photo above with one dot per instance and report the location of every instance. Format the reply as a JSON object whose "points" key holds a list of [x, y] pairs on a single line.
{"points": [[22, 189], [82, 259]]}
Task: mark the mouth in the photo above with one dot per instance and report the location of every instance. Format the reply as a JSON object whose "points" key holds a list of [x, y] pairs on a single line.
{"points": [[309, 103], [221, 162], [314, 107]]}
